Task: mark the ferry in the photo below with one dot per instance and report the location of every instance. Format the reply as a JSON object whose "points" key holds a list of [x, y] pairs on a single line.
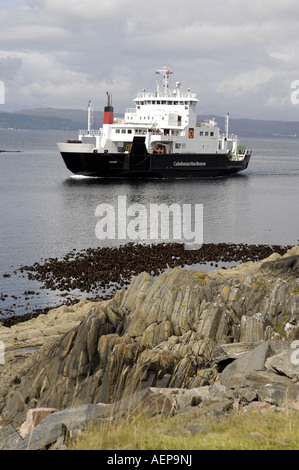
{"points": [[159, 138]]}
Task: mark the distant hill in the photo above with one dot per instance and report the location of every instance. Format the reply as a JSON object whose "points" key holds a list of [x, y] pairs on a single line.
{"points": [[74, 119], [77, 115], [258, 128], [35, 122]]}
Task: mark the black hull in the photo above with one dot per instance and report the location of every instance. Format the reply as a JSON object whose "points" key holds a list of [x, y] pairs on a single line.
{"points": [[152, 165]]}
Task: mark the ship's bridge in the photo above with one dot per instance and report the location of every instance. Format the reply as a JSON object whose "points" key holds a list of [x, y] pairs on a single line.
{"points": [[165, 99], [163, 107], [162, 111], [163, 94]]}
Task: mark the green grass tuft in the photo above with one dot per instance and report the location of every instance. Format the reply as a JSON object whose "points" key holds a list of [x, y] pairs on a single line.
{"points": [[254, 431]]}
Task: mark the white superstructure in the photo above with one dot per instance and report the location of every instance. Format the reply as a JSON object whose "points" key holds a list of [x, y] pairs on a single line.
{"points": [[166, 118]]}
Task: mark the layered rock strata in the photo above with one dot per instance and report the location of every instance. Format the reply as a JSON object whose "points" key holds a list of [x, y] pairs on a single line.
{"points": [[185, 329], [98, 273]]}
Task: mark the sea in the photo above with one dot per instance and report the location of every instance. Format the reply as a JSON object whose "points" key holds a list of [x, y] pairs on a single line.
{"points": [[46, 212]]}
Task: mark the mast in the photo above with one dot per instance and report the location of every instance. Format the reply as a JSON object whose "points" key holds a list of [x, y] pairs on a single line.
{"points": [[90, 116], [226, 124], [166, 72]]}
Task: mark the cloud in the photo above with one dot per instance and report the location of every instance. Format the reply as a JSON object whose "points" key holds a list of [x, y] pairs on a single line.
{"points": [[90, 10], [62, 53], [9, 67], [40, 81], [249, 82]]}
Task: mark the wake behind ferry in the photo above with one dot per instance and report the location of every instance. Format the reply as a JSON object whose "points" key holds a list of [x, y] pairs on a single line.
{"points": [[159, 138]]}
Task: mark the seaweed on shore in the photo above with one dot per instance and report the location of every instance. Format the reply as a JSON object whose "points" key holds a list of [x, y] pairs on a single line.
{"points": [[100, 267], [99, 272]]}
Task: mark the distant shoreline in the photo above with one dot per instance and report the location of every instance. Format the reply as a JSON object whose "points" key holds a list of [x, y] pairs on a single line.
{"points": [[73, 119]]}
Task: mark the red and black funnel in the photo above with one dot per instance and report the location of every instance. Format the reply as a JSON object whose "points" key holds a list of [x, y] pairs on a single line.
{"points": [[108, 110]]}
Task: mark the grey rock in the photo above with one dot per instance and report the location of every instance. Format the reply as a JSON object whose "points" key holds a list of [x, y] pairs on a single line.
{"points": [[219, 392], [256, 379], [42, 437], [247, 394], [284, 363], [228, 352], [288, 266], [253, 328], [253, 360], [216, 408], [278, 394], [53, 427], [183, 401], [179, 330], [9, 436]]}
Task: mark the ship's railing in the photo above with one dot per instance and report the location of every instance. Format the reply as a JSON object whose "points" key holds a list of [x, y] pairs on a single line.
{"points": [[207, 123], [91, 133], [229, 137], [160, 95]]}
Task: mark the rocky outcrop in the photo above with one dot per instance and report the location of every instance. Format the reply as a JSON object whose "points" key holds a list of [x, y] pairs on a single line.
{"points": [[36, 332], [101, 271], [228, 331]]}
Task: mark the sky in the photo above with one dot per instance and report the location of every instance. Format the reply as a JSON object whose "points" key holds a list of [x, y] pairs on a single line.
{"points": [[238, 56]]}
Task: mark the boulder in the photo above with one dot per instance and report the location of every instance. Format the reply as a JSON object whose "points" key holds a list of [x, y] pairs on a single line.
{"points": [[252, 360], [284, 266], [52, 427], [224, 354], [262, 382], [34, 418], [285, 363]]}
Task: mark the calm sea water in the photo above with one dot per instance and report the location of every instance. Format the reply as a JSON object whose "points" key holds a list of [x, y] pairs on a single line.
{"points": [[46, 212]]}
